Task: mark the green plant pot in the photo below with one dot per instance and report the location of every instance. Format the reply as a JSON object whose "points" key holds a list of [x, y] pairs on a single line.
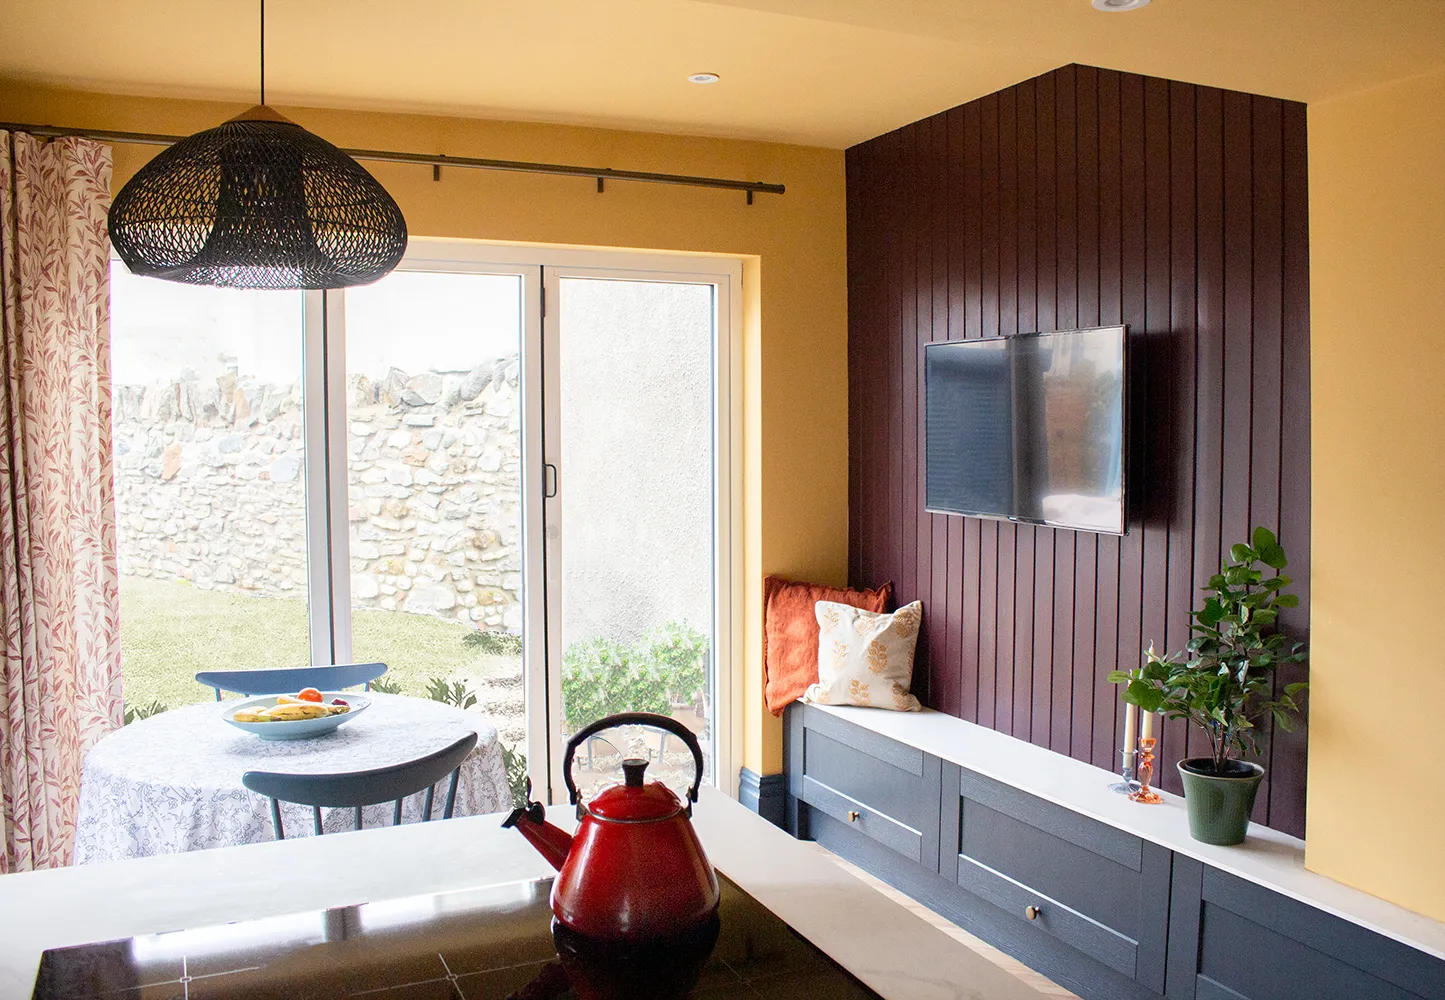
{"points": [[1219, 806]]}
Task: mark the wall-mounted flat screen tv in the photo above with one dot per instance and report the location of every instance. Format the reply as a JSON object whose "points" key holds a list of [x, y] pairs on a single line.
{"points": [[1029, 428]]}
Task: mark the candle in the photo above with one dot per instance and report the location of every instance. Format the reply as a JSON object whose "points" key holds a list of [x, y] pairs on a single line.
{"points": [[1146, 731], [1131, 725]]}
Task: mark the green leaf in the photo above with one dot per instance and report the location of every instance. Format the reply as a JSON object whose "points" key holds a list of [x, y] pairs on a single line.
{"points": [[1296, 688], [1241, 553], [1216, 582], [1263, 539], [1287, 601], [1146, 696], [1212, 612], [1273, 557], [1119, 677]]}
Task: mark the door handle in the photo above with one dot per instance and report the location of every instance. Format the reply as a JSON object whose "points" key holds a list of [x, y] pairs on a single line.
{"points": [[549, 481]]}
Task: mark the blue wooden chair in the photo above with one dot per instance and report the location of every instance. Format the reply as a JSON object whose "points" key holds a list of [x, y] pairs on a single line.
{"points": [[356, 789], [289, 680]]}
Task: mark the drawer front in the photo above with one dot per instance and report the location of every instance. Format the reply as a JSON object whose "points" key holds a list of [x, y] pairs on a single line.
{"points": [[1234, 940], [1089, 886], [882, 790], [879, 787], [876, 825]]}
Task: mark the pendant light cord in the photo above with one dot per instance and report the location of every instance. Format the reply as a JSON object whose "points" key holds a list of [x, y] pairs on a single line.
{"points": [[263, 51]]}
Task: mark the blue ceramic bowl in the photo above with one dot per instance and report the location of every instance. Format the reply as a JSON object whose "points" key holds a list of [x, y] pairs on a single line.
{"points": [[299, 729]]}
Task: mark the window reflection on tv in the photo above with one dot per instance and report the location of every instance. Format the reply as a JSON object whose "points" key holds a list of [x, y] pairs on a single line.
{"points": [[1028, 428]]}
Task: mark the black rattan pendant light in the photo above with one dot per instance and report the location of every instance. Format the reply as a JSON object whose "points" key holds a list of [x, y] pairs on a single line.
{"points": [[257, 202]]}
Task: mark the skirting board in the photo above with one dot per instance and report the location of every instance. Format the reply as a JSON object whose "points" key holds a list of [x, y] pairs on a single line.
{"points": [[764, 794]]}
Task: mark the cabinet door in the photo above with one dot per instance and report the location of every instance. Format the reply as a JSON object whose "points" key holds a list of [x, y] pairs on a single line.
{"points": [[1086, 885], [1233, 940], [879, 789]]}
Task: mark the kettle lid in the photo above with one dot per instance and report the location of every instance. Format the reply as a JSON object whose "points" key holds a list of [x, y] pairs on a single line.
{"points": [[635, 800]]}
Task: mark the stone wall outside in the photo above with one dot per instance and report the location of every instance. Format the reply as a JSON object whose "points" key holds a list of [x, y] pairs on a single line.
{"points": [[210, 489]]}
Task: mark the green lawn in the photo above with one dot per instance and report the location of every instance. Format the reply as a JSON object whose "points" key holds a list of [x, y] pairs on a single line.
{"points": [[171, 630]]}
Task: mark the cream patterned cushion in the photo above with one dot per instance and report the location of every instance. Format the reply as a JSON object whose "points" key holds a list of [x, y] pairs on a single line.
{"points": [[866, 658]]}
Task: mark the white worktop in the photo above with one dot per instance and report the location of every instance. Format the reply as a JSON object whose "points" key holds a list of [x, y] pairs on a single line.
{"points": [[1269, 858], [897, 953]]}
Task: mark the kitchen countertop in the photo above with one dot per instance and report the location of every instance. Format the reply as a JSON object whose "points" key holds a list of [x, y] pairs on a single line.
{"points": [[1269, 858], [893, 951]]}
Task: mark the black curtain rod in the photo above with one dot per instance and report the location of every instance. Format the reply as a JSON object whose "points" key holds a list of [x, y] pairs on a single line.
{"points": [[433, 160]]}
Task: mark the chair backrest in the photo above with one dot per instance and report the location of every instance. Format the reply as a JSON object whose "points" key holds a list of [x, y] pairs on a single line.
{"points": [[289, 680], [356, 789]]}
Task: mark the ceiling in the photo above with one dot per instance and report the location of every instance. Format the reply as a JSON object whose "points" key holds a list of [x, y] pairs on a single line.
{"points": [[819, 72]]}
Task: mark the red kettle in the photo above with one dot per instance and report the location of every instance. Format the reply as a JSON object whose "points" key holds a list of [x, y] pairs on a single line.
{"points": [[634, 870]]}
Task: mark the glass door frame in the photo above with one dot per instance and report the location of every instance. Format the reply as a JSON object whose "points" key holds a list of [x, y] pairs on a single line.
{"points": [[329, 534], [725, 277], [540, 270]]}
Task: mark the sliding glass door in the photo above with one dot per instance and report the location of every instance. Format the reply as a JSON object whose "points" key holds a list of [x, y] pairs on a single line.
{"points": [[632, 542], [535, 526]]}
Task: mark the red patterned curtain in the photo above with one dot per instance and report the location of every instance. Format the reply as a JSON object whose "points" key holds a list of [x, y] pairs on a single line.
{"points": [[59, 633]]}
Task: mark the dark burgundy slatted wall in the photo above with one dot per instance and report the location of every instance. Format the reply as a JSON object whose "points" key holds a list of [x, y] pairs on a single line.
{"points": [[1080, 198]]}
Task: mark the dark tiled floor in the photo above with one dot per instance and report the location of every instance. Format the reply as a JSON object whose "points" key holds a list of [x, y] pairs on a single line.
{"points": [[483, 944]]}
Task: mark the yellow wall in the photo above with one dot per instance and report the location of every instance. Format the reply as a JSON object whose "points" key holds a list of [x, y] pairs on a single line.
{"points": [[1377, 273], [795, 302]]}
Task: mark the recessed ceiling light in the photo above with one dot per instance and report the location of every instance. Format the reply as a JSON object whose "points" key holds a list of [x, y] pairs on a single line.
{"points": [[1115, 6], [706, 77]]}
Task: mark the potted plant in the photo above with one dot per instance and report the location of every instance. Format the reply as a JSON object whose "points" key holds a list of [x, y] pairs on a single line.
{"points": [[1224, 683]]}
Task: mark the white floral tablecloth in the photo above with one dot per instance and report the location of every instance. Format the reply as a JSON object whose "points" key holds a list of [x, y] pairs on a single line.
{"points": [[172, 783]]}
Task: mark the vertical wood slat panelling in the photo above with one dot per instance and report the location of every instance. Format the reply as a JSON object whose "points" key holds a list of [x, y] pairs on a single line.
{"points": [[1025, 319], [947, 676], [1084, 197], [1181, 347], [938, 546], [1287, 749]]}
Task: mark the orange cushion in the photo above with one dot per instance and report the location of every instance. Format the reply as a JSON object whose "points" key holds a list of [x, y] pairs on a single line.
{"points": [[790, 632]]}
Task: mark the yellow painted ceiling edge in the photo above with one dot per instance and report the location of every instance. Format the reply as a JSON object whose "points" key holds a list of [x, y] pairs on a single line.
{"points": [[825, 72], [1375, 812]]}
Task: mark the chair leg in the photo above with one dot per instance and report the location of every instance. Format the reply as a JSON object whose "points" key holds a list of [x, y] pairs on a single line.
{"points": [[358, 817], [430, 796], [316, 819], [276, 830], [452, 792], [396, 814], [218, 694]]}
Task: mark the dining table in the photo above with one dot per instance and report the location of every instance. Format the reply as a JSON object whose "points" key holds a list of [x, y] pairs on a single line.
{"points": [[171, 783]]}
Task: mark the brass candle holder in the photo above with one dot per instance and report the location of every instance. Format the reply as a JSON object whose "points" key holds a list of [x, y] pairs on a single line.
{"points": [[1145, 794]]}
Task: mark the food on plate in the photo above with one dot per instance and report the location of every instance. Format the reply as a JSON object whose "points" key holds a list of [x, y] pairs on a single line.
{"points": [[289, 709], [308, 694]]}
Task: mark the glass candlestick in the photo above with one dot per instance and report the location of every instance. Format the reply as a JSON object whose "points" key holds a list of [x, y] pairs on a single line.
{"points": [[1128, 782], [1144, 793]]}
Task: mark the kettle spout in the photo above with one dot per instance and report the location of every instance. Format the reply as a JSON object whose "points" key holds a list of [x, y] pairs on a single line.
{"points": [[551, 842]]}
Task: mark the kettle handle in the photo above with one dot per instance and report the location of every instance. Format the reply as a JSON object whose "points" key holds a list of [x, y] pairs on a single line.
{"points": [[633, 719]]}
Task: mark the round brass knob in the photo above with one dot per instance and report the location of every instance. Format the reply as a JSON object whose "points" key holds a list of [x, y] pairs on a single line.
{"points": [[1031, 912], [853, 815]]}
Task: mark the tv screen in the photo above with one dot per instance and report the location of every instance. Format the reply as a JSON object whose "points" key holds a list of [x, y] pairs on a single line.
{"points": [[1028, 428]]}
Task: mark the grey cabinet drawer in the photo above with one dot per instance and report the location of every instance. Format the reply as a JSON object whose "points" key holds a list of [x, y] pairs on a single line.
{"points": [[1233, 940], [879, 789], [1087, 885]]}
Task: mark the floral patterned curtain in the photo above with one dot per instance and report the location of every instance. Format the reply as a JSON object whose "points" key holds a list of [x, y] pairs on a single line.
{"points": [[59, 633]]}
